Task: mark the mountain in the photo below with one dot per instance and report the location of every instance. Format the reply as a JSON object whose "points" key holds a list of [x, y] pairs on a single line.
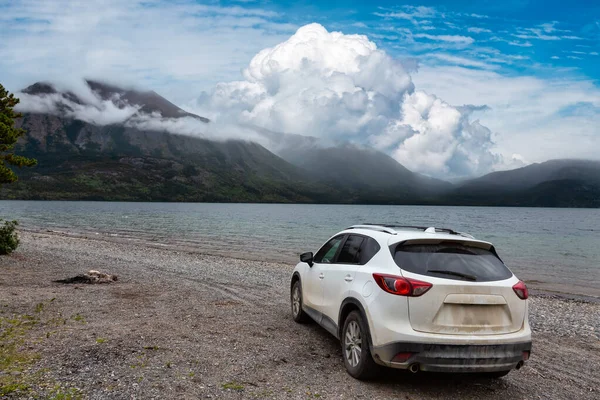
{"points": [[81, 160], [148, 101], [370, 175], [534, 174], [138, 156], [554, 183], [367, 171]]}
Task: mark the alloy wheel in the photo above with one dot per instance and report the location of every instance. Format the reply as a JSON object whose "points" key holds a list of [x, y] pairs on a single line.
{"points": [[296, 300], [353, 343]]}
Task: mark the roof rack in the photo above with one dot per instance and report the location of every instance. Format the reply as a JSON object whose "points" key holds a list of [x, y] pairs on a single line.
{"points": [[375, 227], [389, 228]]}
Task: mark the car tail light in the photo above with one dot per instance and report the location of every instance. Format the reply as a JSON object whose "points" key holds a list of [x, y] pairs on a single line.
{"points": [[526, 355], [401, 286], [402, 357], [521, 290]]}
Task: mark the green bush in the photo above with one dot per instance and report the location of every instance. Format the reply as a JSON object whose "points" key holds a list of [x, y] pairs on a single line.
{"points": [[8, 237]]}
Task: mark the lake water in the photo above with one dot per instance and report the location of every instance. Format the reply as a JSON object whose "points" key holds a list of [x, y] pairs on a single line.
{"points": [[553, 249]]}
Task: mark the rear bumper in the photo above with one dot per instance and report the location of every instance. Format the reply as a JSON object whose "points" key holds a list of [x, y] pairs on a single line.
{"points": [[454, 358]]}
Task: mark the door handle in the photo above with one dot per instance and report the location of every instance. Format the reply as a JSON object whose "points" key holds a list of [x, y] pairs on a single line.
{"points": [[321, 276], [348, 278]]}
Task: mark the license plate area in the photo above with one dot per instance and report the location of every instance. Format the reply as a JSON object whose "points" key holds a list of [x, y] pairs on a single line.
{"points": [[472, 318]]}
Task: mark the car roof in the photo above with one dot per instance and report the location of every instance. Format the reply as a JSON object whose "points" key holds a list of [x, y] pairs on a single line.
{"points": [[392, 234]]}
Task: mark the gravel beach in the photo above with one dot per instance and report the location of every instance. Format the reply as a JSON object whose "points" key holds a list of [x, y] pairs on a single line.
{"points": [[181, 324]]}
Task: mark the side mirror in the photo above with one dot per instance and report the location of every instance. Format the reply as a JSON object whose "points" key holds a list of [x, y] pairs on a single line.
{"points": [[307, 258]]}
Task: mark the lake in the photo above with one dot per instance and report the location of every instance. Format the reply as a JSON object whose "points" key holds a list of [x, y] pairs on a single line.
{"points": [[552, 249]]}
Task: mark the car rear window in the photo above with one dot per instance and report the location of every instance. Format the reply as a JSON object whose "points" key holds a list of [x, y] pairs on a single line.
{"points": [[369, 248], [451, 261]]}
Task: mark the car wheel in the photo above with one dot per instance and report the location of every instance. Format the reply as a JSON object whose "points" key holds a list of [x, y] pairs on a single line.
{"points": [[355, 347], [296, 299]]}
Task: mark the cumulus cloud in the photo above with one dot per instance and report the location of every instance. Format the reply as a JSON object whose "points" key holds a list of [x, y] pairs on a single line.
{"points": [[342, 87], [435, 138], [538, 118]]}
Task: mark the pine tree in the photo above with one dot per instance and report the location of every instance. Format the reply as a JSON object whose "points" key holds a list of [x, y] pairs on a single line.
{"points": [[8, 138]]}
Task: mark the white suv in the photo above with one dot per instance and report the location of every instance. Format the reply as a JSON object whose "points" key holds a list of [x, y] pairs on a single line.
{"points": [[416, 298]]}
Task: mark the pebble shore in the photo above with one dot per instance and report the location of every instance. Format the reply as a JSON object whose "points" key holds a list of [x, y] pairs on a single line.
{"points": [[181, 324]]}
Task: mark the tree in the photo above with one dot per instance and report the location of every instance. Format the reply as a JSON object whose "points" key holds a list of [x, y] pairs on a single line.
{"points": [[8, 138]]}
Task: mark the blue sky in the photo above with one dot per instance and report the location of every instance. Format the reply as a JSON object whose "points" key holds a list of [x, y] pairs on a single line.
{"points": [[534, 65], [542, 37]]}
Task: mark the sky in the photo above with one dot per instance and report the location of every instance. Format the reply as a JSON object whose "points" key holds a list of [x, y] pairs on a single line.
{"points": [[450, 89]]}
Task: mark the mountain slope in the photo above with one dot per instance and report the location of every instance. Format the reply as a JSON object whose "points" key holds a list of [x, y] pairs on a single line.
{"points": [[365, 171], [80, 160], [362, 168], [127, 160], [148, 101], [554, 183], [534, 174], [77, 160]]}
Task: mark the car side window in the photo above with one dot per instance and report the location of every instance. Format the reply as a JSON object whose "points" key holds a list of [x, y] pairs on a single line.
{"points": [[329, 250], [369, 248], [350, 250]]}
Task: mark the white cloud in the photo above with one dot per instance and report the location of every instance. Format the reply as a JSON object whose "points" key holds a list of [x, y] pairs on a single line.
{"points": [[437, 139], [447, 38], [525, 112], [341, 87], [520, 44], [181, 48], [467, 62], [410, 13], [89, 107], [176, 48], [547, 31], [479, 30], [536, 36], [548, 27]]}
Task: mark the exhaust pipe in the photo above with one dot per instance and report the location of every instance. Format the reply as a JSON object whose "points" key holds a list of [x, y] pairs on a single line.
{"points": [[414, 368], [519, 365]]}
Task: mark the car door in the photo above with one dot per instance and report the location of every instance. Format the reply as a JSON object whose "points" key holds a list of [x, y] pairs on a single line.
{"points": [[312, 286], [339, 277]]}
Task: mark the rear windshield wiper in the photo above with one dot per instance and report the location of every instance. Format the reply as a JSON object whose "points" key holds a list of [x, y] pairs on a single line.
{"points": [[459, 274]]}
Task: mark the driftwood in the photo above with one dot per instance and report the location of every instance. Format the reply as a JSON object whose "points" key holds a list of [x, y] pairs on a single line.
{"points": [[91, 277]]}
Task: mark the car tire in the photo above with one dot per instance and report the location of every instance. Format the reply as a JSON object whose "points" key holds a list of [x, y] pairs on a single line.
{"points": [[356, 351], [296, 302]]}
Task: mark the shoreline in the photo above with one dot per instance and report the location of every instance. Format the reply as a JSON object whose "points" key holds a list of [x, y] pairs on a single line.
{"points": [[425, 204], [537, 287], [188, 325]]}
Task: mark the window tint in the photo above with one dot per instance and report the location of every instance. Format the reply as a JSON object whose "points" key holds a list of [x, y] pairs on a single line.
{"points": [[369, 248], [328, 251], [349, 253], [451, 261]]}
